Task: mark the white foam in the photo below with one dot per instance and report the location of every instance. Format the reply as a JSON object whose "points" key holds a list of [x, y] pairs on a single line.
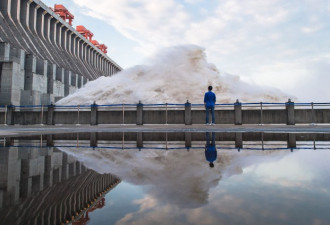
{"points": [[175, 75]]}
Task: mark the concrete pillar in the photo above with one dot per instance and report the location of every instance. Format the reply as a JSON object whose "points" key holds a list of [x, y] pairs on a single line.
{"points": [[238, 140], [51, 77], [238, 112], [5, 6], [187, 113], [93, 139], [187, 139], [291, 140], [40, 21], [10, 115], [67, 82], [139, 113], [4, 51], [30, 69], [290, 112], [50, 114], [80, 81], [139, 140]]}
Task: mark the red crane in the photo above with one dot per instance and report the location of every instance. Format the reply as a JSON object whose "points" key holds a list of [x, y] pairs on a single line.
{"points": [[102, 47], [86, 33], [63, 13]]}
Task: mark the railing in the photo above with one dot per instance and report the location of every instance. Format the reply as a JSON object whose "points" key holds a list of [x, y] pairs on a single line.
{"points": [[124, 108]]}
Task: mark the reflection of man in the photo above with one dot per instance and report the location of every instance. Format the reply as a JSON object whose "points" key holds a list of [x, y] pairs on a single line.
{"points": [[210, 150]]}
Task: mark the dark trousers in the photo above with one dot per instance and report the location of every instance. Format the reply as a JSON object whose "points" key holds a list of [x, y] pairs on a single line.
{"points": [[208, 109]]}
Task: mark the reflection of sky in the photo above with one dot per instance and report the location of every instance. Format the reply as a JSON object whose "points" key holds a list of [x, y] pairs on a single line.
{"points": [[290, 190]]}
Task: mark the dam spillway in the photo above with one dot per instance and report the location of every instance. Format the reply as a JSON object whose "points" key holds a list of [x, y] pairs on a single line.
{"points": [[42, 57]]}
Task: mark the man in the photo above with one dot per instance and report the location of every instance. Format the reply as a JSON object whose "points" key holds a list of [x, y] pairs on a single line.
{"points": [[209, 102], [210, 149]]}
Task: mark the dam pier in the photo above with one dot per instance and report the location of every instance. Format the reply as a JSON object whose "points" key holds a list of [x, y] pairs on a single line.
{"points": [[42, 57]]}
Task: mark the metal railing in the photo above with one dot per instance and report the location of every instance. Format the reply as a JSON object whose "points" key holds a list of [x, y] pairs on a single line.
{"points": [[261, 106]]}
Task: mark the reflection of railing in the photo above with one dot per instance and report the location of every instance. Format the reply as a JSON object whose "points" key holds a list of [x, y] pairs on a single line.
{"points": [[168, 113], [220, 146]]}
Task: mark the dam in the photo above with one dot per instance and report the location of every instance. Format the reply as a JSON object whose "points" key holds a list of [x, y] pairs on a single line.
{"points": [[42, 57]]}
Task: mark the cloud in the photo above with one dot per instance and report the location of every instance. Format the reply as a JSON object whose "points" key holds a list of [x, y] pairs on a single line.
{"points": [[251, 38]]}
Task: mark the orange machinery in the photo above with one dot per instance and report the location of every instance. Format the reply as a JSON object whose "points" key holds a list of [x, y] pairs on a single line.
{"points": [[63, 13], [102, 47], [86, 33]]}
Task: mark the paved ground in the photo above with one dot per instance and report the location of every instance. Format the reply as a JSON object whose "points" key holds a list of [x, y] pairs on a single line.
{"points": [[39, 129]]}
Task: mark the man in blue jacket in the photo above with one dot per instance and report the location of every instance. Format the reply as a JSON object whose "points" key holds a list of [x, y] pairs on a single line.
{"points": [[210, 149], [209, 102]]}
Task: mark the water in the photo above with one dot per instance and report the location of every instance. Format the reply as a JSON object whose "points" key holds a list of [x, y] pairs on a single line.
{"points": [[165, 178], [175, 75]]}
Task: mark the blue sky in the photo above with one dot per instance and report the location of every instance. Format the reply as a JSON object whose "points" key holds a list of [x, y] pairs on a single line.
{"points": [[279, 43]]}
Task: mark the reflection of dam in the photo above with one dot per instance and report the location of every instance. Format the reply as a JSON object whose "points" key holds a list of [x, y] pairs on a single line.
{"points": [[46, 186]]}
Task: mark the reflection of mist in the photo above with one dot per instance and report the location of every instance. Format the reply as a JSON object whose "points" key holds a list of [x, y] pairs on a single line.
{"points": [[176, 177]]}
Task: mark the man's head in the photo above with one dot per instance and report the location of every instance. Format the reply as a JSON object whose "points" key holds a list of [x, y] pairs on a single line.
{"points": [[211, 165], [210, 88]]}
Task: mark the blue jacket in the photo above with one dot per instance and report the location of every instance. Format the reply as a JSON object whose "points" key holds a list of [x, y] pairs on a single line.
{"points": [[209, 99], [210, 153]]}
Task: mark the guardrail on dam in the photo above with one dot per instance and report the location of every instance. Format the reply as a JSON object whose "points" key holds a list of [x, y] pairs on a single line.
{"points": [[42, 57], [289, 113]]}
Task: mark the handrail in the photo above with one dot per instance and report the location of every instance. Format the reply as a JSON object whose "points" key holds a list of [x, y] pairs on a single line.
{"points": [[172, 104]]}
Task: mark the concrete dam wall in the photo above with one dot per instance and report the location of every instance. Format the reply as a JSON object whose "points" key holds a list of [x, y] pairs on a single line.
{"points": [[42, 57]]}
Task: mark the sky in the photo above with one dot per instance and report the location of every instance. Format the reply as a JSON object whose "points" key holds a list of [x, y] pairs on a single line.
{"points": [[279, 43]]}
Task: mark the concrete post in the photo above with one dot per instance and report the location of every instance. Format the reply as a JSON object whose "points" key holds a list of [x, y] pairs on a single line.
{"points": [[10, 115], [187, 139], [238, 112], [187, 113], [50, 114], [139, 140], [94, 119], [139, 113], [290, 112], [238, 140]]}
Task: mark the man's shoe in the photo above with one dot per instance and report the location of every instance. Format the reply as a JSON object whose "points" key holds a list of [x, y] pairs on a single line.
{"points": [[207, 124], [212, 124]]}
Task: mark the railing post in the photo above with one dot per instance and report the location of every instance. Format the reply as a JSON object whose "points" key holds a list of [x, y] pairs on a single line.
{"points": [[290, 112], [238, 112], [94, 119], [10, 115], [187, 113], [139, 113], [50, 114]]}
